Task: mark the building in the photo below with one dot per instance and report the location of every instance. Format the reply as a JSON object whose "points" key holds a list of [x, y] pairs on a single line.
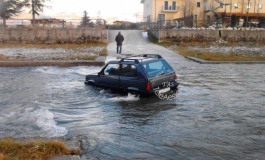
{"points": [[204, 13], [122, 23], [49, 22], [160, 10]]}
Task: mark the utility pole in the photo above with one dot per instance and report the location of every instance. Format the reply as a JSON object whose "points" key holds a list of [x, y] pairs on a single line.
{"points": [[155, 11]]}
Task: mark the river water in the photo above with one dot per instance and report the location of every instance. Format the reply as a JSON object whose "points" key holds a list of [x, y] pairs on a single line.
{"points": [[219, 112]]}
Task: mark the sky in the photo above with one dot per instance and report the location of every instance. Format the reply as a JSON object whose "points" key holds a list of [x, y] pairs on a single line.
{"points": [[106, 9]]}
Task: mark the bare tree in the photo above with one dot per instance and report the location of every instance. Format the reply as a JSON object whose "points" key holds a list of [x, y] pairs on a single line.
{"points": [[187, 8]]}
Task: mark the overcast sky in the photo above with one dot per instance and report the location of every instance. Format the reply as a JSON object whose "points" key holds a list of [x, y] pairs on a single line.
{"points": [[118, 9]]}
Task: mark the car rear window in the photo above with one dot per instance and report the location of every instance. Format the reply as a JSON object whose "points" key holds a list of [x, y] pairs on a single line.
{"points": [[156, 68]]}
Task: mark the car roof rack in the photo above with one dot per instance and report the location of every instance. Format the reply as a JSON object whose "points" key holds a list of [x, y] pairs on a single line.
{"points": [[148, 55], [145, 56], [131, 59]]}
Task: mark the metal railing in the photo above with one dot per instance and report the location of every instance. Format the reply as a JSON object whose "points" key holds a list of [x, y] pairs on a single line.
{"points": [[178, 24]]}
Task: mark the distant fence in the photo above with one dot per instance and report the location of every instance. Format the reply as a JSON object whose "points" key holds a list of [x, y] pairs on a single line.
{"points": [[52, 35], [52, 23]]}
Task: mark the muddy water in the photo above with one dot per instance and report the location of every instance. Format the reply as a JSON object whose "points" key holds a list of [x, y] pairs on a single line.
{"points": [[219, 112]]}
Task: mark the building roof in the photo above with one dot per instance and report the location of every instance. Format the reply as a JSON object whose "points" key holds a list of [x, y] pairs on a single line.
{"points": [[48, 20]]}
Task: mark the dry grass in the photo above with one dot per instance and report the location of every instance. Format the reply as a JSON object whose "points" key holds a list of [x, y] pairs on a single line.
{"points": [[38, 149], [184, 50], [104, 52], [3, 58], [219, 56]]}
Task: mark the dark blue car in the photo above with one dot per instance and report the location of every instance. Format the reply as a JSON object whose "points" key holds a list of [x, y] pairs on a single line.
{"points": [[142, 74]]}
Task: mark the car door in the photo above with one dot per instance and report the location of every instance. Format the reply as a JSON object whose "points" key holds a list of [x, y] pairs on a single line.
{"points": [[130, 79], [109, 77]]}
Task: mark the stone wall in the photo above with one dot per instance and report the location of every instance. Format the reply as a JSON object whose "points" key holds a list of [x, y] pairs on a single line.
{"points": [[26, 35], [210, 35]]}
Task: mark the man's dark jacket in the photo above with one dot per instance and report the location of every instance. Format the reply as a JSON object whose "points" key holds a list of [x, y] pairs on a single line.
{"points": [[119, 39]]}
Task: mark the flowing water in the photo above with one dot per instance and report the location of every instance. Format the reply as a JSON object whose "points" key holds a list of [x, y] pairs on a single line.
{"points": [[219, 112]]}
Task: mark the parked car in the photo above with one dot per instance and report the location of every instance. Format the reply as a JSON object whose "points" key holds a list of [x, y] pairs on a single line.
{"points": [[141, 74]]}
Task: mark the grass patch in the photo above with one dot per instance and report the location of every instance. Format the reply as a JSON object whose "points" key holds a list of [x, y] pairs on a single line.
{"points": [[11, 149], [184, 50]]}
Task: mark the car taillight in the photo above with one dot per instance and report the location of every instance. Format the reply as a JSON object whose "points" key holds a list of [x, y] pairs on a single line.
{"points": [[148, 86]]}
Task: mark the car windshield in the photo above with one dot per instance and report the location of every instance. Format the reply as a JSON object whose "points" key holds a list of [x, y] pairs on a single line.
{"points": [[157, 68]]}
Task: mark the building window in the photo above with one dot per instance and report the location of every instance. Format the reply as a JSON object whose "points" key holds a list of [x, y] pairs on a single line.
{"points": [[248, 5], [174, 5], [166, 5], [236, 5], [198, 4], [260, 6]]}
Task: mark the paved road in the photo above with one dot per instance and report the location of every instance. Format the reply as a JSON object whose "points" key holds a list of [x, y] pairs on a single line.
{"points": [[136, 42]]}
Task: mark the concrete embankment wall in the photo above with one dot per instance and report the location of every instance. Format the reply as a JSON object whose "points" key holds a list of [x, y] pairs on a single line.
{"points": [[209, 35], [43, 35]]}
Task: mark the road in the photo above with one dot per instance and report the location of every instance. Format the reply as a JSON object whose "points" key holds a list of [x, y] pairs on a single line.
{"points": [[219, 112]]}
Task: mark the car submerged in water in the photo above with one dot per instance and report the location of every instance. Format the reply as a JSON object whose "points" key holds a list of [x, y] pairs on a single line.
{"points": [[140, 74]]}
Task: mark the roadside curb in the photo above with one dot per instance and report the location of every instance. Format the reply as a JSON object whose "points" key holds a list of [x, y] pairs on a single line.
{"points": [[50, 63], [202, 61]]}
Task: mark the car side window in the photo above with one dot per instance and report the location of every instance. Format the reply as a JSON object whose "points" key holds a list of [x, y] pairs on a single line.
{"points": [[128, 70], [112, 69]]}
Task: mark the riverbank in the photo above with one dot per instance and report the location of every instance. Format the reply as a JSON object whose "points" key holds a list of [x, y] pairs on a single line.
{"points": [[59, 148]]}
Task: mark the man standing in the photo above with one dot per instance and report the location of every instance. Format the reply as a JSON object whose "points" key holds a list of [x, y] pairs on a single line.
{"points": [[119, 39]]}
